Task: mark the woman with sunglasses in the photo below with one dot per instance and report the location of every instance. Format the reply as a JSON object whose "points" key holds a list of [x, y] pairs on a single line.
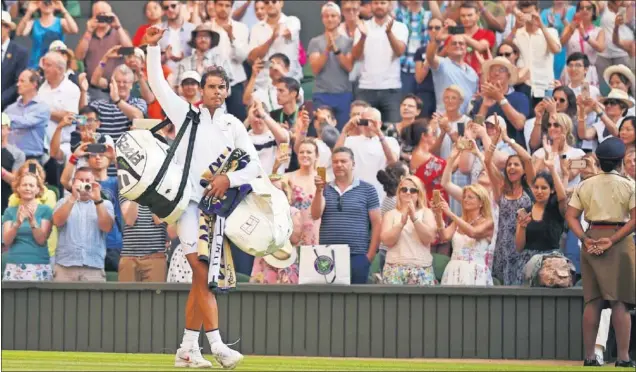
{"points": [[25, 230], [511, 192], [622, 78], [510, 51], [615, 106], [563, 101], [407, 232], [471, 235], [559, 138], [584, 37]]}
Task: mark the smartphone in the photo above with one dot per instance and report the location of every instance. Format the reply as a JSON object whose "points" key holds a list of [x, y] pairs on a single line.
{"points": [[309, 107], [363, 122], [578, 164], [96, 148], [456, 30], [437, 196], [521, 213], [479, 119], [33, 168], [126, 51], [622, 12], [48, 2], [322, 173], [585, 90], [79, 120], [284, 148], [105, 19], [464, 144]]}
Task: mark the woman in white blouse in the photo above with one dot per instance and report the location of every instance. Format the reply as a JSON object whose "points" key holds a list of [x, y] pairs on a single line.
{"points": [[583, 36], [407, 232]]}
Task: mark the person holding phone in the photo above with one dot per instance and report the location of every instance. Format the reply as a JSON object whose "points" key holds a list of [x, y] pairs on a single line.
{"points": [[268, 136], [613, 55], [47, 28], [25, 230], [103, 32]]}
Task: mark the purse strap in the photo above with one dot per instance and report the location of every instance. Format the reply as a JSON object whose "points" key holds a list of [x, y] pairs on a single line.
{"points": [[193, 117]]}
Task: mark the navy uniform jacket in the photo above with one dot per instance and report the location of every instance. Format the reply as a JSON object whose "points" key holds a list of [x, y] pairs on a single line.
{"points": [[15, 61]]}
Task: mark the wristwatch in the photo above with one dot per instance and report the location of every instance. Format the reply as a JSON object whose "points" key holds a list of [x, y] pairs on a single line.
{"points": [[336, 52], [503, 102], [100, 201]]}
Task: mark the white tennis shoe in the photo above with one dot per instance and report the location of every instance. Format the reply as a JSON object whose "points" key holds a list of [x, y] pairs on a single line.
{"points": [[225, 356], [191, 358]]}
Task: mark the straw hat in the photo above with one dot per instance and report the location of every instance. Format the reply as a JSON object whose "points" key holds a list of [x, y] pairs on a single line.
{"points": [[6, 20], [500, 61], [283, 258], [206, 27], [618, 94], [621, 69]]}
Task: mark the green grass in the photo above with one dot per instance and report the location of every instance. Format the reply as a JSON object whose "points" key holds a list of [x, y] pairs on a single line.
{"points": [[71, 361]]}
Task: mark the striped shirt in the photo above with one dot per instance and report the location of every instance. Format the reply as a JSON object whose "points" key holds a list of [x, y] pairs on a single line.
{"points": [[114, 122], [345, 219], [144, 237]]}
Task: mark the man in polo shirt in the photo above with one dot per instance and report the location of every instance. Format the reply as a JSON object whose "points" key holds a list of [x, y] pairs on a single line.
{"points": [[498, 96], [29, 117], [278, 33], [350, 213], [381, 42], [61, 95], [117, 113], [99, 38], [371, 148], [537, 46], [451, 70], [175, 42]]}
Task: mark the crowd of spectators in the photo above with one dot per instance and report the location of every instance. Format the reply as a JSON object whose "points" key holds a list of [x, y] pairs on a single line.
{"points": [[436, 122]]}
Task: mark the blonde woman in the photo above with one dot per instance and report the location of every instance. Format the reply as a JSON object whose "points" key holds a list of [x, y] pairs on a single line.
{"points": [[471, 236], [25, 229], [407, 232], [559, 139]]}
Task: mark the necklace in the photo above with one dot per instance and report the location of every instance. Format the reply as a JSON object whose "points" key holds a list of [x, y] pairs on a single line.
{"points": [[472, 223]]}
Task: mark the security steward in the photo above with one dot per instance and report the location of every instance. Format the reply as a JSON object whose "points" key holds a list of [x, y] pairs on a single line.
{"points": [[608, 254]]}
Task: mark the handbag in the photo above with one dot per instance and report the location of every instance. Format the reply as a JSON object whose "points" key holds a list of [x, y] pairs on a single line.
{"points": [[261, 223], [148, 174], [324, 264], [555, 272]]}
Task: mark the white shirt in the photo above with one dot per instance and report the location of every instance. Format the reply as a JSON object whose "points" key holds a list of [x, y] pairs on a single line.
{"points": [[63, 98], [572, 153], [214, 135], [536, 55], [5, 46], [269, 96], [354, 75], [266, 146], [261, 32], [608, 19], [369, 158], [591, 117], [380, 66], [235, 51]]}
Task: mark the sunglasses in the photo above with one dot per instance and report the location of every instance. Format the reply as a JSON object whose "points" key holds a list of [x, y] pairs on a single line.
{"points": [[410, 190], [560, 100], [171, 6], [613, 102], [507, 55], [588, 8], [270, 2], [554, 125], [457, 43], [436, 28]]}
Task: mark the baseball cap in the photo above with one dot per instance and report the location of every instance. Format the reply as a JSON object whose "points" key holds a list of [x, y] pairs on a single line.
{"points": [[58, 45], [191, 75]]}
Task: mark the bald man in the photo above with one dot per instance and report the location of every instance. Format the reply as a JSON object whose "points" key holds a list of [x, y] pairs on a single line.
{"points": [[98, 39]]}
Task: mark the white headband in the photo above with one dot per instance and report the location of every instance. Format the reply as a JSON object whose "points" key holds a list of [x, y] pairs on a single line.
{"points": [[332, 6]]}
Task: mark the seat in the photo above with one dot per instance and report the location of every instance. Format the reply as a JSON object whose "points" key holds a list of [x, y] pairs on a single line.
{"points": [[112, 276], [439, 265]]}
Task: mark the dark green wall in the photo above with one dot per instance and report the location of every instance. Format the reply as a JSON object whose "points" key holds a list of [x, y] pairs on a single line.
{"points": [[353, 321]]}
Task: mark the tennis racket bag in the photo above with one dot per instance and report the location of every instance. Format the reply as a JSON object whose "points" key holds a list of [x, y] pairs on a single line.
{"points": [[148, 173]]}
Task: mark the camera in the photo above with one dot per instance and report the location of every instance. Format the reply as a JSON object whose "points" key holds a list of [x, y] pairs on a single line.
{"points": [[84, 186]]}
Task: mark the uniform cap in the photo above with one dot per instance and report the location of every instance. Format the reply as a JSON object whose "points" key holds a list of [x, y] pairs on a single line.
{"points": [[612, 148]]}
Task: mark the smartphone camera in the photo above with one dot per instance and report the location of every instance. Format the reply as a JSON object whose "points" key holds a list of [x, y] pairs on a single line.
{"points": [[105, 19], [126, 51], [363, 122], [33, 169], [456, 30], [96, 148], [79, 120]]}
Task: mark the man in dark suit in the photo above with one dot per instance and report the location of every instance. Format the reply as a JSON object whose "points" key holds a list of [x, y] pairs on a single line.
{"points": [[14, 61]]}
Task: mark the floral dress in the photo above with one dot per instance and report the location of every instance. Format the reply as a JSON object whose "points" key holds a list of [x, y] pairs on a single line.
{"points": [[508, 263], [469, 262], [263, 273]]}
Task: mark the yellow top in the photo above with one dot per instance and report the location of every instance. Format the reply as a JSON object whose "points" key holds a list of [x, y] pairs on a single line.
{"points": [[48, 199], [606, 197]]}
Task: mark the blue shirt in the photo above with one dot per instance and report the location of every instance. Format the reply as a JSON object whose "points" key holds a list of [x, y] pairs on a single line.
{"points": [[80, 241], [345, 219], [28, 125], [450, 73], [519, 102], [41, 39], [110, 189], [25, 250]]}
